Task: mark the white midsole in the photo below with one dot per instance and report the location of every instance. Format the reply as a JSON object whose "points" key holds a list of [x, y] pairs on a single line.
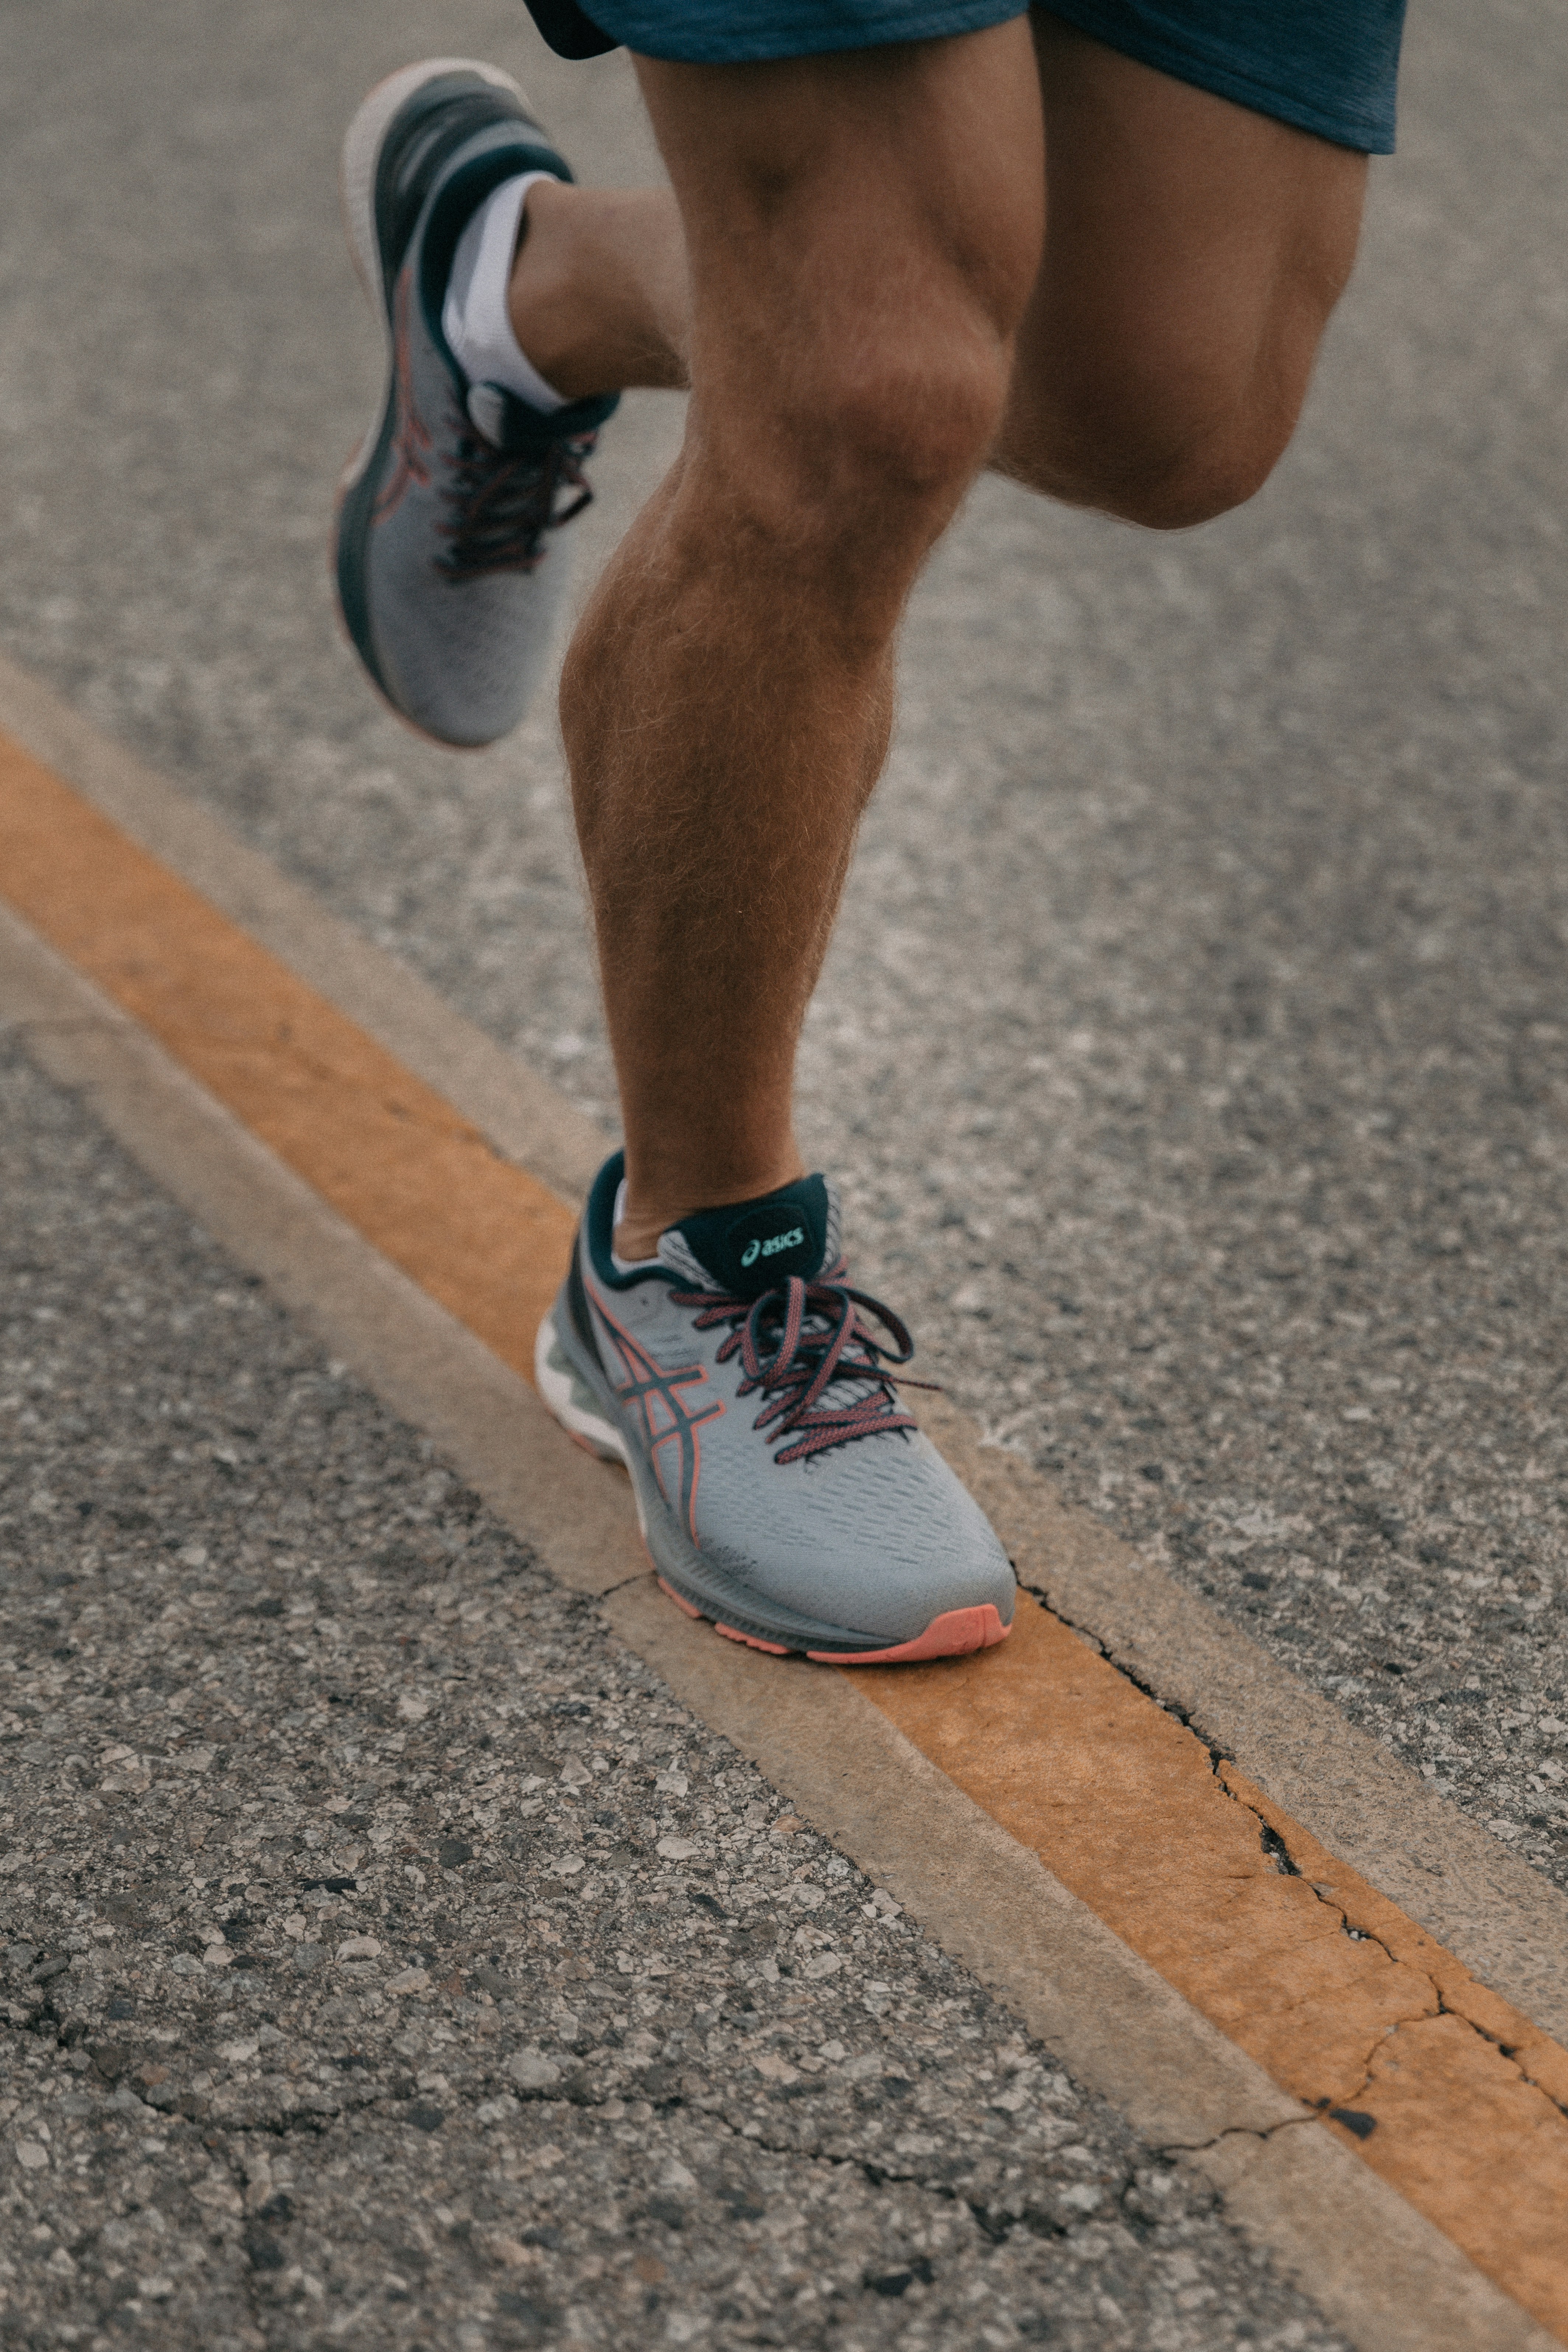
{"points": [[356, 192], [564, 1393]]}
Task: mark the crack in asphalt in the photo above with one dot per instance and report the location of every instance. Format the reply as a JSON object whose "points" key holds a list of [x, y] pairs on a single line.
{"points": [[1276, 1851], [994, 2222], [1173, 2148], [219, 2132], [1508, 2051], [1441, 2005]]}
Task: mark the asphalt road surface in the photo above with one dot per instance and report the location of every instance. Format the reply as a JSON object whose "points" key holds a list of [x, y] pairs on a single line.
{"points": [[513, 2009], [1192, 1051]]}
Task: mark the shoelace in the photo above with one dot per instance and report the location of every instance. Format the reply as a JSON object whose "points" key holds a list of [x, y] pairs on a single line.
{"points": [[502, 502], [794, 1342]]}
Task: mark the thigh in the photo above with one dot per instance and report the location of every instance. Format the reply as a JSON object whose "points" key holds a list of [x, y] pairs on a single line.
{"points": [[856, 203], [1194, 250]]}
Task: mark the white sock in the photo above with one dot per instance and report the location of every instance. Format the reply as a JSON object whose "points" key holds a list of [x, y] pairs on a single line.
{"points": [[473, 317]]}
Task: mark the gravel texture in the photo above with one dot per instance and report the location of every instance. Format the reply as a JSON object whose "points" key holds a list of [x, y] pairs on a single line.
{"points": [[1192, 1051], [385, 1958]]}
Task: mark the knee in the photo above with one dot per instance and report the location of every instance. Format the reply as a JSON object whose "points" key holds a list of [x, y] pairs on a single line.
{"points": [[1173, 485], [900, 431], [859, 458], [1180, 456]]}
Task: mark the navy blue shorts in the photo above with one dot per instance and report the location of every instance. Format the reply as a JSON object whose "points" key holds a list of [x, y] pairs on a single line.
{"points": [[1326, 65]]}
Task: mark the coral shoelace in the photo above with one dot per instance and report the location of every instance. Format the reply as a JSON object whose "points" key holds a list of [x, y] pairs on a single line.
{"points": [[503, 502], [794, 1342]]}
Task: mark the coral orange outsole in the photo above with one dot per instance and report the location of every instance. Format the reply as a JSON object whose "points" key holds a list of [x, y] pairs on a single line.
{"points": [[956, 1634], [752, 1641]]}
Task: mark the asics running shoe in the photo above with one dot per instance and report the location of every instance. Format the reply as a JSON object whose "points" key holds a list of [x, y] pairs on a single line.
{"points": [[783, 1490], [450, 566]]}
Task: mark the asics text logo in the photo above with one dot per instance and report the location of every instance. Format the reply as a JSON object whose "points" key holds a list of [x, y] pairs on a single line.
{"points": [[771, 1248]]}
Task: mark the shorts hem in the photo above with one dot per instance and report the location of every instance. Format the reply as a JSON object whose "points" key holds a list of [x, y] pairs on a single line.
{"points": [[1365, 135], [804, 37]]}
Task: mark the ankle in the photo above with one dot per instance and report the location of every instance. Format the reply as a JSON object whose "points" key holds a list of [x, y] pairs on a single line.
{"points": [[636, 1239], [578, 304], [540, 292], [647, 1214]]}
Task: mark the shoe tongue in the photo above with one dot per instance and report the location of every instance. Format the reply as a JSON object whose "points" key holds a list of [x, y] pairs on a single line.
{"points": [[755, 1247], [507, 422], [510, 424]]}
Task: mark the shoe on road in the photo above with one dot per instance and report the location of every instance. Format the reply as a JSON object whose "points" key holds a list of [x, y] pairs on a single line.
{"points": [[450, 563], [783, 1490]]}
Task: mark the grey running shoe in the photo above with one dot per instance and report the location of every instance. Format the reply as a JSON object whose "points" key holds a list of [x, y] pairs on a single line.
{"points": [[781, 1490], [450, 568]]}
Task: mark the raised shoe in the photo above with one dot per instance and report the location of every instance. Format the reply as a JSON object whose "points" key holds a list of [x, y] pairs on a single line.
{"points": [[451, 561]]}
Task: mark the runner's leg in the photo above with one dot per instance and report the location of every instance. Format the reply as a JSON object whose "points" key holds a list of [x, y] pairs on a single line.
{"points": [[727, 702], [863, 231], [1195, 251]]}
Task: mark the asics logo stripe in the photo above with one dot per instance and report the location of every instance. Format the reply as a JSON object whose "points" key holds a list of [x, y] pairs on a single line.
{"points": [[772, 1246], [671, 1419], [412, 439]]}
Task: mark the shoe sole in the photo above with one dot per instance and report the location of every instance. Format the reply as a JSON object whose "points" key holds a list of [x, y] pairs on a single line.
{"points": [[574, 1400], [358, 163]]}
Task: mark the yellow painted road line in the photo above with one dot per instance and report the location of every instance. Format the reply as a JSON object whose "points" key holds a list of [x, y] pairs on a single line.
{"points": [[1448, 2094], [1456, 2100], [479, 1233]]}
